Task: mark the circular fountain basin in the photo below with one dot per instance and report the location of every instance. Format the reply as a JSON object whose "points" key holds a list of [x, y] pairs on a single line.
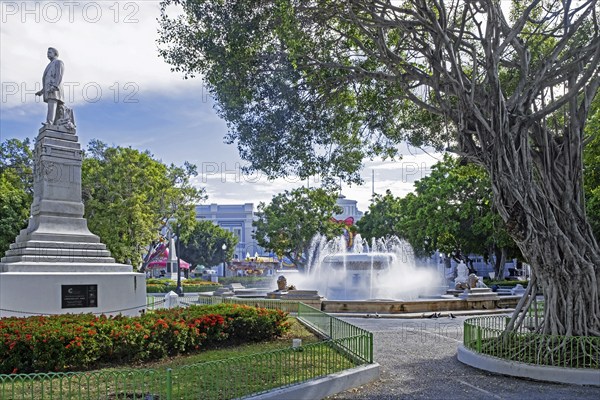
{"points": [[359, 261]]}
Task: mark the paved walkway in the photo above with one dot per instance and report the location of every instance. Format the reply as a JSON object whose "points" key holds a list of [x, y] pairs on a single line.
{"points": [[418, 361]]}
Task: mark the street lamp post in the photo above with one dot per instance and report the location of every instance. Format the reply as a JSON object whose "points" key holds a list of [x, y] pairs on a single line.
{"points": [[178, 289], [224, 247]]}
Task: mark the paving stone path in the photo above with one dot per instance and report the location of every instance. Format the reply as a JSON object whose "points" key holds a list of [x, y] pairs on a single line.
{"points": [[418, 361]]}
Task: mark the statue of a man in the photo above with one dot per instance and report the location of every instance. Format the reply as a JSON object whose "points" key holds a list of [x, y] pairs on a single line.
{"points": [[52, 88]]}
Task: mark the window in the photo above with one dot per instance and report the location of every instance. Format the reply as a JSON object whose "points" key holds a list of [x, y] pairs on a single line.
{"points": [[238, 233]]}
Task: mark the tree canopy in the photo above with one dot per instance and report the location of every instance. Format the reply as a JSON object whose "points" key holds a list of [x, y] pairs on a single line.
{"points": [[129, 196], [382, 217], [315, 86], [290, 221], [591, 161], [203, 242], [451, 211], [16, 189]]}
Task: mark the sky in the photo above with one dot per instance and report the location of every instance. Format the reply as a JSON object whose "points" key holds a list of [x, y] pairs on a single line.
{"points": [[123, 94]]}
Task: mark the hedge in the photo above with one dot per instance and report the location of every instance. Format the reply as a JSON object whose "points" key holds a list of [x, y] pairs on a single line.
{"points": [[186, 288], [74, 342], [506, 284], [251, 281]]}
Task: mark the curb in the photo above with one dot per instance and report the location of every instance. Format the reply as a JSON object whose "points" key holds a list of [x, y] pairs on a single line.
{"points": [[419, 315], [326, 386], [576, 376]]}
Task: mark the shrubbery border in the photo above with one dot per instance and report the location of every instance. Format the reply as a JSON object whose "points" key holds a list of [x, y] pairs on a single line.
{"points": [[72, 342]]}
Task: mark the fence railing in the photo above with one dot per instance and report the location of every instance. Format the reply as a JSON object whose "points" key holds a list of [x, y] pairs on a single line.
{"points": [[346, 346], [357, 342], [486, 335]]}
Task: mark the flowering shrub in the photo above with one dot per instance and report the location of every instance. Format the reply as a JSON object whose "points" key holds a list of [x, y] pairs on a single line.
{"points": [[74, 342]]}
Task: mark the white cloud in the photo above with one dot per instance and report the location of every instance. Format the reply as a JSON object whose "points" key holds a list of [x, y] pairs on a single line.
{"points": [[232, 186], [106, 46]]}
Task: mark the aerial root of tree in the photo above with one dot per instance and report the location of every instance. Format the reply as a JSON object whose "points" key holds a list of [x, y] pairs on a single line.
{"points": [[535, 348], [525, 339]]}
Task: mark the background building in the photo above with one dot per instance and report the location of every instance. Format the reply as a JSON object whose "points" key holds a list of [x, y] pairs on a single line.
{"points": [[236, 218], [349, 209]]}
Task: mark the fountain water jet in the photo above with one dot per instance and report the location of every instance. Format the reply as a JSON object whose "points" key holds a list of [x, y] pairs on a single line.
{"points": [[385, 269]]}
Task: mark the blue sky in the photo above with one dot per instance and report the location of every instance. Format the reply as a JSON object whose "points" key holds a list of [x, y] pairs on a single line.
{"points": [[124, 94]]}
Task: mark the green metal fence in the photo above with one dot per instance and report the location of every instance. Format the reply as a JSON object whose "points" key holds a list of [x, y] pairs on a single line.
{"points": [[355, 341], [346, 346], [156, 302], [486, 335]]}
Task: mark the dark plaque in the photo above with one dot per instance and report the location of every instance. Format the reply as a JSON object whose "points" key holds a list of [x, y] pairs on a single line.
{"points": [[79, 296]]}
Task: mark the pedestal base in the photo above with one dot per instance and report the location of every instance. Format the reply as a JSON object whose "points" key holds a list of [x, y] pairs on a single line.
{"points": [[23, 294], [479, 294], [56, 265], [309, 297]]}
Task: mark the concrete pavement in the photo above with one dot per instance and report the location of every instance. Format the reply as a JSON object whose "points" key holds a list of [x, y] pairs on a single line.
{"points": [[418, 361]]}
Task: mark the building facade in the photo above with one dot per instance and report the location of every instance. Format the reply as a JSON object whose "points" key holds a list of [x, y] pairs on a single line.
{"points": [[236, 218], [349, 209]]}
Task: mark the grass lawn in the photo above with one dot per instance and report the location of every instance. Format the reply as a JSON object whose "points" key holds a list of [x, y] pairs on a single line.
{"points": [[210, 374], [296, 331]]}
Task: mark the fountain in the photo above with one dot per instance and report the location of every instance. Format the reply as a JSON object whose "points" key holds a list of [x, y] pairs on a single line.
{"points": [[383, 269], [380, 278]]}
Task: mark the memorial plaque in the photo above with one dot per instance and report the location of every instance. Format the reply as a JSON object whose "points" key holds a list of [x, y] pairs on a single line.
{"points": [[79, 296]]}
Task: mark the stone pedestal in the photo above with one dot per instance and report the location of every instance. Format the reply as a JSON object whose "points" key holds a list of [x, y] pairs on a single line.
{"points": [[56, 263], [310, 297], [476, 294]]}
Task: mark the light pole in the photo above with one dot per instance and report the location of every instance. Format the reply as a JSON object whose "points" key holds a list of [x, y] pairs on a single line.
{"points": [[224, 247], [178, 289]]}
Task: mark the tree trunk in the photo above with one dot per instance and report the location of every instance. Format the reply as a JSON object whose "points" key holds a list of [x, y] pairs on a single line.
{"points": [[542, 205], [499, 262], [565, 260]]}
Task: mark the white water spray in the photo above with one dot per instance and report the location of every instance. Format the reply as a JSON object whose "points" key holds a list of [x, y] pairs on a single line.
{"points": [[384, 270]]}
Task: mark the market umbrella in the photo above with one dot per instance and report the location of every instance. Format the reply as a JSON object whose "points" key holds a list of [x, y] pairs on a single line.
{"points": [[162, 260]]}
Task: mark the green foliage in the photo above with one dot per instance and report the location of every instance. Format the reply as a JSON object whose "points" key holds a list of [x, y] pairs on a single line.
{"points": [[287, 120], [129, 196], [591, 160], [382, 217], [14, 209], [507, 284], [288, 224], [202, 244], [158, 281], [451, 211], [187, 287], [16, 189], [16, 157], [453, 208], [249, 281], [83, 341]]}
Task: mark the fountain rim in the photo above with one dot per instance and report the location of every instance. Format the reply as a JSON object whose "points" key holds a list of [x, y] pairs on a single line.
{"points": [[360, 257]]}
